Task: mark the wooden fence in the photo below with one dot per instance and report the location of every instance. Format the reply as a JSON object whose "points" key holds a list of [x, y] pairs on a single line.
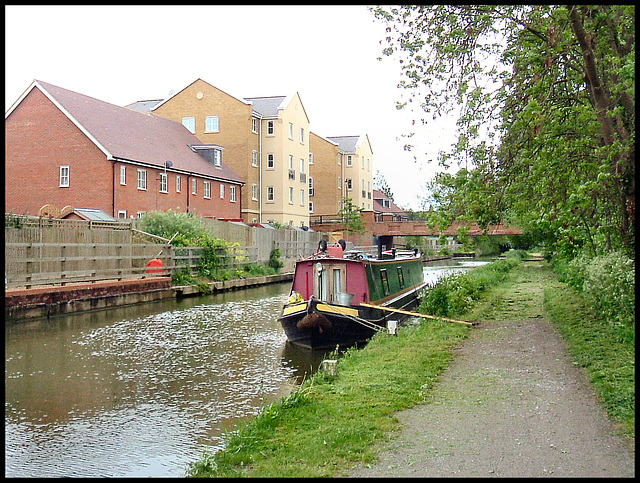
{"points": [[41, 251]]}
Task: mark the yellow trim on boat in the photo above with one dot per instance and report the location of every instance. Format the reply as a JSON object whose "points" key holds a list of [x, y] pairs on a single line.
{"points": [[337, 310], [292, 309]]}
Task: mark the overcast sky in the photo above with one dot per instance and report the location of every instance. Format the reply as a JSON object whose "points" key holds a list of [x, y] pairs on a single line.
{"points": [[328, 54]]}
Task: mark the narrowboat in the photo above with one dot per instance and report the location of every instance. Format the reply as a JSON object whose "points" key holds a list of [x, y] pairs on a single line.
{"points": [[338, 297]]}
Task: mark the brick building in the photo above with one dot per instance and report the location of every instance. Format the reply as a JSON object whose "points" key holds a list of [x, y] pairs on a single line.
{"points": [[70, 150]]}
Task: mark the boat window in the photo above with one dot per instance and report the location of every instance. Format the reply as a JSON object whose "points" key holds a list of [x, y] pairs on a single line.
{"points": [[322, 284], [400, 277], [337, 284], [385, 280]]}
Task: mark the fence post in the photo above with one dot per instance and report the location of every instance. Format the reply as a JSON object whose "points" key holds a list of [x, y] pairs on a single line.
{"points": [[63, 264]]}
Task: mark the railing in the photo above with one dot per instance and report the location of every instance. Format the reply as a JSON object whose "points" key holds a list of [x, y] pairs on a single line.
{"points": [[303, 177], [292, 174]]}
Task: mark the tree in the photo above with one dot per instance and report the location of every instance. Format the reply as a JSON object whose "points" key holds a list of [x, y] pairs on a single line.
{"points": [[380, 183], [351, 216], [546, 96]]}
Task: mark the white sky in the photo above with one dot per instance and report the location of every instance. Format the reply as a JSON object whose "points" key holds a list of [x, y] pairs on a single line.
{"points": [[328, 54]]}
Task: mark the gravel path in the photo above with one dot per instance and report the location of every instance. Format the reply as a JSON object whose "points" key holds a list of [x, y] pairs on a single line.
{"points": [[511, 404]]}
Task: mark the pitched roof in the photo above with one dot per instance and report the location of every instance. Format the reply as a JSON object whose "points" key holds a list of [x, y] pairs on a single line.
{"points": [[144, 106], [379, 207], [266, 106], [348, 144], [125, 134]]}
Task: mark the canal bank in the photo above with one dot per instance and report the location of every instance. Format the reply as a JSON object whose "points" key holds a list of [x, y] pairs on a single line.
{"points": [[54, 300]]}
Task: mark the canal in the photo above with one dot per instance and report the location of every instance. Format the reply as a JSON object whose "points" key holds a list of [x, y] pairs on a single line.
{"points": [[143, 390]]}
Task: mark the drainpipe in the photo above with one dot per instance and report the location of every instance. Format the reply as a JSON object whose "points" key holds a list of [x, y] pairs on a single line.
{"points": [[260, 172], [113, 190], [188, 190]]}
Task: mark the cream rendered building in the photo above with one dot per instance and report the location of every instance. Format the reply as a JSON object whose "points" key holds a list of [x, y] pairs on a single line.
{"points": [[284, 148], [357, 169], [325, 181]]}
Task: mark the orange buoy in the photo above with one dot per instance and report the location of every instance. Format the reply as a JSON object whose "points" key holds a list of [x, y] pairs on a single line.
{"points": [[154, 266]]}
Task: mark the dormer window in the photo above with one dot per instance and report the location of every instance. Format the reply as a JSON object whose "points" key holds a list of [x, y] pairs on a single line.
{"points": [[217, 158], [210, 152]]}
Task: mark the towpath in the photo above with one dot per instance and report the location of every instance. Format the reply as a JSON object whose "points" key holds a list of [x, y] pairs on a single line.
{"points": [[512, 404]]}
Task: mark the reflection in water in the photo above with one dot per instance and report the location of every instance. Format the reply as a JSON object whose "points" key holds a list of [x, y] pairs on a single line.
{"points": [[143, 390]]}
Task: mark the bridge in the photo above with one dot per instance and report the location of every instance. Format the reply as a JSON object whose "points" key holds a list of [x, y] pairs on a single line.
{"points": [[389, 228]]}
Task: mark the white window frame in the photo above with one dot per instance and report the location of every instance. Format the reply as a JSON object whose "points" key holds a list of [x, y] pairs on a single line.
{"points": [[310, 158], [310, 206], [362, 161], [164, 183], [254, 158], [311, 191], [194, 186], [212, 124], [221, 191], [349, 184], [123, 175], [271, 161], [254, 192], [302, 165], [301, 135], [190, 123], [254, 125], [65, 176], [271, 128], [291, 161], [217, 158], [349, 160], [291, 131], [142, 179], [232, 194], [178, 184], [290, 195], [301, 197], [122, 214], [271, 194], [206, 190]]}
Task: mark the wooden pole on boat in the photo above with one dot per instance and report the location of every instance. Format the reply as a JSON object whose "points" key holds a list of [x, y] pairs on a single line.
{"points": [[414, 314]]}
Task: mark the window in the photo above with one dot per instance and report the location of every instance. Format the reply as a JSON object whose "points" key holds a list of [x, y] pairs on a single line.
{"points": [[123, 175], [301, 135], [310, 206], [349, 161], [254, 192], [221, 191], [142, 179], [189, 123], [362, 162], [254, 125], [291, 130], [217, 158], [291, 161], [385, 281], [339, 182], [271, 161], [310, 186], [64, 176], [301, 197], [211, 124], [302, 165], [290, 195], [348, 182], [232, 194], [207, 189], [164, 183], [178, 184], [254, 158], [194, 187], [140, 214], [270, 128], [400, 277], [270, 193], [368, 164], [122, 214], [310, 158]]}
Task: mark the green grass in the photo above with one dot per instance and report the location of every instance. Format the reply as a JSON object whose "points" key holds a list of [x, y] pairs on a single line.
{"points": [[330, 424]]}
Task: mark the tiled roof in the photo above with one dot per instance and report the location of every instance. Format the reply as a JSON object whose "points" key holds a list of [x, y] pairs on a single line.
{"points": [[144, 106], [378, 207], [266, 106], [130, 135], [347, 143]]}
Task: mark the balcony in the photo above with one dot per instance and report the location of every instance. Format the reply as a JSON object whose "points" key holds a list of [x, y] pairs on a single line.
{"points": [[292, 174], [303, 177]]}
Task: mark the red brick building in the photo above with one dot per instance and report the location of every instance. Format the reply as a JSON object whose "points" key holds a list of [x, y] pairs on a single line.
{"points": [[69, 150]]}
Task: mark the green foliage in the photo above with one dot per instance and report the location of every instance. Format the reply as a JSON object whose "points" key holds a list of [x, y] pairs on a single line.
{"points": [[14, 221], [454, 294], [607, 285], [352, 216], [546, 125], [190, 230], [274, 259]]}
